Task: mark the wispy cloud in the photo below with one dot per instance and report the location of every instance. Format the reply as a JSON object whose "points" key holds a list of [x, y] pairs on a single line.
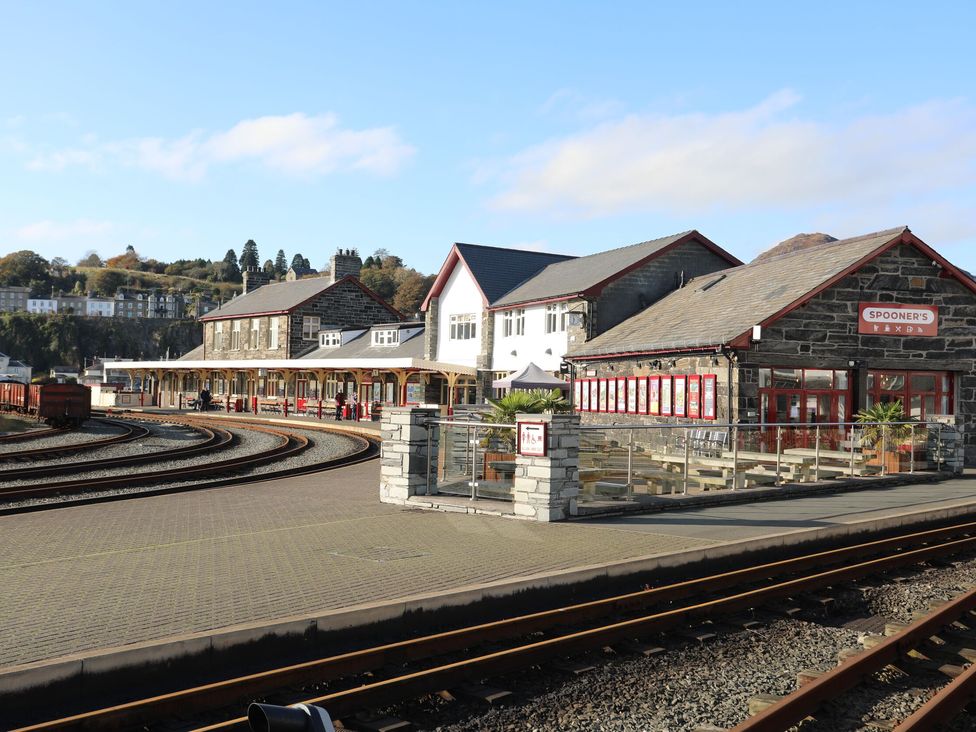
{"points": [[45, 231], [760, 157], [295, 144]]}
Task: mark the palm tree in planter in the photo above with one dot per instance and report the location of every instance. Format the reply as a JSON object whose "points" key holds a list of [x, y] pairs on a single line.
{"points": [[499, 442], [885, 429]]}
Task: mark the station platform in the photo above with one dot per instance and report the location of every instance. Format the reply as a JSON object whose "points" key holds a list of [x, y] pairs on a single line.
{"points": [[109, 585]]}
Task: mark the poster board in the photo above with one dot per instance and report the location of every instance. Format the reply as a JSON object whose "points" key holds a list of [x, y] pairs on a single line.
{"points": [[578, 395], [694, 396], [709, 401], [622, 394], [654, 395], [594, 395], [611, 395], [602, 405], [666, 396], [641, 395], [680, 406], [584, 402]]}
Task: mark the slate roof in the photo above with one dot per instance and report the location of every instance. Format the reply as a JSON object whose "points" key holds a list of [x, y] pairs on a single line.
{"points": [[280, 297], [498, 270], [714, 309], [585, 273], [195, 354], [362, 347]]}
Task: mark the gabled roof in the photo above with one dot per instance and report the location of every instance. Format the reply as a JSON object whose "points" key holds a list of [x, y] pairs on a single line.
{"points": [[590, 274], [720, 308], [495, 270], [193, 354], [282, 297]]}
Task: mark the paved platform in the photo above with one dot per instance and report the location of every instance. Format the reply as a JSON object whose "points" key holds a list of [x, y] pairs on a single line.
{"points": [[93, 577]]}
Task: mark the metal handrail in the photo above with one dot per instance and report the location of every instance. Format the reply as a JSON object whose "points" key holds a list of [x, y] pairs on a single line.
{"points": [[733, 425]]}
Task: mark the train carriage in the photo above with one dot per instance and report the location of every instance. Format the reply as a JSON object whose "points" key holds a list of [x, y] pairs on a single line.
{"points": [[60, 405]]}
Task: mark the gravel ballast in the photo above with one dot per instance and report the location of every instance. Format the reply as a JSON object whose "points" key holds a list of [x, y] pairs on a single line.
{"points": [[89, 432]]}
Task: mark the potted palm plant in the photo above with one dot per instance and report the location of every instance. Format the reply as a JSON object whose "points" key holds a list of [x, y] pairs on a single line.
{"points": [[499, 442], [887, 435]]}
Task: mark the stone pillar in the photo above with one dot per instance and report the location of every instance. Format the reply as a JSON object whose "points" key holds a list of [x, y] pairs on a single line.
{"points": [[403, 455], [546, 488]]}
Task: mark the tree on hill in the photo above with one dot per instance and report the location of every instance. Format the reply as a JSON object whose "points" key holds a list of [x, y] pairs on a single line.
{"points": [[298, 263], [232, 272], [268, 268], [249, 255], [91, 259], [280, 263], [25, 268], [411, 292], [306, 263], [106, 282], [128, 260]]}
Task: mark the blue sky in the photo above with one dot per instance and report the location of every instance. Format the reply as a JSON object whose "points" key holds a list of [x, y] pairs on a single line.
{"points": [[187, 128]]}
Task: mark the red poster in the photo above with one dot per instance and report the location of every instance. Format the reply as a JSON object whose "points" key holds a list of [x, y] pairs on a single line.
{"points": [[708, 396], [694, 397], [894, 319]]}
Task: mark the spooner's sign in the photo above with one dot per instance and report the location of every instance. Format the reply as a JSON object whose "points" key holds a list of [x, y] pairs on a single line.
{"points": [[886, 318]]}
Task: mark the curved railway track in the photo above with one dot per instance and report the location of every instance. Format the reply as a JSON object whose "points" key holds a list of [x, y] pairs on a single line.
{"points": [[215, 438], [432, 663], [212, 474], [29, 435], [130, 433]]}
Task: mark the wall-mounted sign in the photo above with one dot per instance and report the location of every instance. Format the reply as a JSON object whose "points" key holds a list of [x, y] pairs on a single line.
{"points": [[532, 439], [591, 372], [622, 395], [679, 396], [694, 396], [666, 396], [708, 396], [894, 319], [642, 382]]}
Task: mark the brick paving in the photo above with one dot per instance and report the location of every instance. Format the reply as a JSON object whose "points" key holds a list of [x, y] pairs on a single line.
{"points": [[105, 575]]}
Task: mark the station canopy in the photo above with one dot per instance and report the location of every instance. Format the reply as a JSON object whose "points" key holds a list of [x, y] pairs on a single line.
{"points": [[531, 377]]}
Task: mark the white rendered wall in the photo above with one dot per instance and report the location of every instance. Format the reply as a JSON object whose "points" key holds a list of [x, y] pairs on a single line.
{"points": [[460, 296], [530, 347]]}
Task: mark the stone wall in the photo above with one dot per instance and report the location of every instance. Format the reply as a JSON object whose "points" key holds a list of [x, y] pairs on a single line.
{"points": [[647, 284], [431, 329], [823, 333], [403, 456], [247, 350], [547, 488]]}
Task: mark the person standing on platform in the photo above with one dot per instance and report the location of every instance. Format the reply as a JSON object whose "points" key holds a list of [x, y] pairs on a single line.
{"points": [[354, 407], [340, 400], [205, 399]]}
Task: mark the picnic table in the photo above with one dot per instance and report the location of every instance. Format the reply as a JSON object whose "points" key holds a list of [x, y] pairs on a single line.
{"points": [[797, 467], [860, 466], [718, 471]]}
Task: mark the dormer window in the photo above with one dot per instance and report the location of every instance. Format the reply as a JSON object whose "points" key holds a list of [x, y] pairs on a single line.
{"points": [[330, 340], [386, 337]]}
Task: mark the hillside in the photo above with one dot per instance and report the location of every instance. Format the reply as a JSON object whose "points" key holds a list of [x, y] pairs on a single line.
{"points": [[795, 244], [102, 279]]}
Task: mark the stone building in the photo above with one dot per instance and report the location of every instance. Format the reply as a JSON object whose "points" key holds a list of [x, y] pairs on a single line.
{"points": [[803, 338], [13, 298], [502, 309]]}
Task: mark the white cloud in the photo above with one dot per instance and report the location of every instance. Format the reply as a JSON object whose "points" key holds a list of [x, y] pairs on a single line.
{"points": [[295, 144], [763, 156], [42, 231]]}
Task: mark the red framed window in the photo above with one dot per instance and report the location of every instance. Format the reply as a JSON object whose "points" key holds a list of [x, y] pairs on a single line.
{"points": [[921, 393], [680, 392], [666, 402], [709, 398], [694, 396]]}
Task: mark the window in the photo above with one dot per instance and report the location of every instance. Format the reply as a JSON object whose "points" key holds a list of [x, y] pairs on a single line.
{"points": [[255, 340], [463, 327], [330, 340], [235, 335], [513, 323], [273, 333], [388, 337], [310, 327], [556, 317]]}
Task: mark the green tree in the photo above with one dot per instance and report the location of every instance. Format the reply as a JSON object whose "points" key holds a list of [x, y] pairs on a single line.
{"points": [[91, 259], [411, 292], [106, 282], [269, 268], [298, 262], [281, 263], [306, 263], [249, 255], [380, 281], [25, 268], [232, 272]]}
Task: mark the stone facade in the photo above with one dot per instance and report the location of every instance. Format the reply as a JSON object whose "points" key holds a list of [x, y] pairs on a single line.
{"points": [[403, 458], [342, 305], [254, 278], [431, 329], [547, 488], [343, 263]]}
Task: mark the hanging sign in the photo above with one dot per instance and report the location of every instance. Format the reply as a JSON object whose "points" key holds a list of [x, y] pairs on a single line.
{"points": [[532, 439], [887, 318]]}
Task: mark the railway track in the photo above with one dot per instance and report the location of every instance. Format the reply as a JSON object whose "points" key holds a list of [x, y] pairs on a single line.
{"points": [[29, 435], [355, 681], [215, 438], [921, 646], [130, 433], [212, 474]]}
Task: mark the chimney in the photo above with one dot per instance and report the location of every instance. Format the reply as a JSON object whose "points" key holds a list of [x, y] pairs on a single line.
{"points": [[254, 278], [343, 263]]}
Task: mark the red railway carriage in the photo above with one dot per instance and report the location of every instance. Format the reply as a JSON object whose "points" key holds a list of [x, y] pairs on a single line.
{"points": [[13, 396], [62, 405]]}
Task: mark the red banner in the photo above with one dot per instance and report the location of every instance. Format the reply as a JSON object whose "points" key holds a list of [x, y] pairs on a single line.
{"points": [[894, 319]]}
